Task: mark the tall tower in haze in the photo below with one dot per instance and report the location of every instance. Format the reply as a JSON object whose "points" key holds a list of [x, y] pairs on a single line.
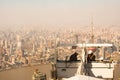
{"points": [[77, 39], [19, 43], [92, 30], [6, 44]]}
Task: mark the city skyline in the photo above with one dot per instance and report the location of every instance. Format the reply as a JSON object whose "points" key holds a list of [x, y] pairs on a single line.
{"points": [[59, 13]]}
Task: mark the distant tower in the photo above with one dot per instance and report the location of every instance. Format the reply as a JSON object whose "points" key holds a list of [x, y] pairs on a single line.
{"points": [[6, 44], [57, 42], [92, 30], [41, 42], [19, 43], [11, 48], [2, 43], [76, 37], [33, 48], [34, 44]]}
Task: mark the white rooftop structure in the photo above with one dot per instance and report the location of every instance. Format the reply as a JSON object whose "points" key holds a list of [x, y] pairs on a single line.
{"points": [[88, 45], [81, 77]]}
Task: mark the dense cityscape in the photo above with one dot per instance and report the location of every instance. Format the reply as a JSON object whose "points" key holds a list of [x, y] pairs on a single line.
{"points": [[26, 46]]}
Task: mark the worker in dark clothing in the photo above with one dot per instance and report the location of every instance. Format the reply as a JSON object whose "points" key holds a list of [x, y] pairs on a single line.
{"points": [[91, 57], [73, 57]]}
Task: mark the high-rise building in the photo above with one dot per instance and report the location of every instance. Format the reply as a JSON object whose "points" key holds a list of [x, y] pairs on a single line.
{"points": [[19, 43], [6, 44]]}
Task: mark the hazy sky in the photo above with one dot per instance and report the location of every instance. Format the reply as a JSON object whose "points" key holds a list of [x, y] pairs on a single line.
{"points": [[59, 12]]}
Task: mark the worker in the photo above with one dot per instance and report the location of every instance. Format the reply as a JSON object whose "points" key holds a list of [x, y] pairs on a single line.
{"points": [[91, 56]]}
